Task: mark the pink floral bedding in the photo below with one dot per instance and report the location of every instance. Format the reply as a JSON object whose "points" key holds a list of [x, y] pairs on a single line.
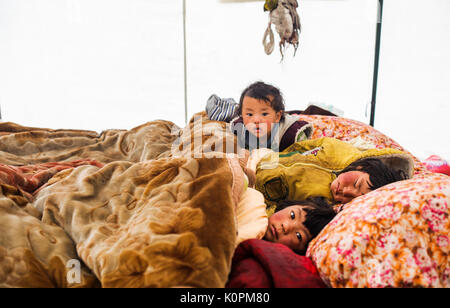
{"points": [[347, 129], [395, 236]]}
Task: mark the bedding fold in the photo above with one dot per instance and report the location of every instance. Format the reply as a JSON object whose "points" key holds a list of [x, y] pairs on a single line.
{"points": [[21, 145], [159, 223], [34, 254], [131, 207]]}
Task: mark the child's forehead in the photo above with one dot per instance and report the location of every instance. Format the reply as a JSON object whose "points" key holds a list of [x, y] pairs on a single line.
{"points": [[253, 103], [299, 206], [355, 174]]}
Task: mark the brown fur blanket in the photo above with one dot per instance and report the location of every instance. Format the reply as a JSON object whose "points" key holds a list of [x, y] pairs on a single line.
{"points": [[20, 145], [148, 214]]}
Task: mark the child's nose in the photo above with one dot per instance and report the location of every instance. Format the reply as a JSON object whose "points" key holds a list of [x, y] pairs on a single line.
{"points": [[286, 227], [349, 192]]}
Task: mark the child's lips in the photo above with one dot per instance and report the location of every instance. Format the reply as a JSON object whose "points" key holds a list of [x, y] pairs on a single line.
{"points": [[274, 231], [336, 189], [258, 131]]}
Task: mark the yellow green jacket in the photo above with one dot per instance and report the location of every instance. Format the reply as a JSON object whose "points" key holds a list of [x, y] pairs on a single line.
{"points": [[307, 168]]}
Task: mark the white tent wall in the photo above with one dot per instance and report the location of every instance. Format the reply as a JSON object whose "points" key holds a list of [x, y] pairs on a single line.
{"points": [[99, 64], [413, 102], [333, 64], [91, 64]]}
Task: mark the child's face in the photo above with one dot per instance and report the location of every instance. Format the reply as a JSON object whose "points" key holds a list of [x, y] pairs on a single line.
{"points": [[258, 116], [286, 227], [350, 185]]}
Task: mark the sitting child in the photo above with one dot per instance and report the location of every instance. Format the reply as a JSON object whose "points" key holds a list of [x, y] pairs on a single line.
{"points": [[296, 223], [262, 123], [329, 168]]}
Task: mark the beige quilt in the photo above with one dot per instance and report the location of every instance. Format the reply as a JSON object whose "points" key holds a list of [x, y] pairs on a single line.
{"points": [[150, 214]]}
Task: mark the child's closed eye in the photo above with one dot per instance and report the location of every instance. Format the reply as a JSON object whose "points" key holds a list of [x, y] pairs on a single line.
{"points": [[357, 183]]}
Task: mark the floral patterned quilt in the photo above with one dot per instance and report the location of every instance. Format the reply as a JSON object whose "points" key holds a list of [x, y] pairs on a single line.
{"points": [[395, 236]]}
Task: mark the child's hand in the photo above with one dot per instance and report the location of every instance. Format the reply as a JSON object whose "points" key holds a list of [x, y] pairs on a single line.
{"points": [[255, 157]]}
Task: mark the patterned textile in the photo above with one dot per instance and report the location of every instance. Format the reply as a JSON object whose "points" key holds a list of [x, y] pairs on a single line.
{"points": [[125, 216], [396, 236], [30, 178], [22, 145], [435, 163], [347, 130]]}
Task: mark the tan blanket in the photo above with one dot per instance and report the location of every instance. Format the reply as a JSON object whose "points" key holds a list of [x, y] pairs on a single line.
{"points": [[147, 218], [34, 254], [20, 145]]}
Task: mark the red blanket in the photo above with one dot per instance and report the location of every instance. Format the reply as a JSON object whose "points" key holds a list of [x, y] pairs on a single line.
{"points": [[262, 264]]}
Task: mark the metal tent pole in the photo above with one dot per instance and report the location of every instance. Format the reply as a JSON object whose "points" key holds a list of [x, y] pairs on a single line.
{"points": [[377, 58], [185, 66]]}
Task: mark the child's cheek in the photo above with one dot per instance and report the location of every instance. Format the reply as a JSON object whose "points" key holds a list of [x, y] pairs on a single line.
{"points": [[268, 130], [346, 178]]}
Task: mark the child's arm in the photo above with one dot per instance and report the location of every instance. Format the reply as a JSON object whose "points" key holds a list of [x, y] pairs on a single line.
{"points": [[256, 156]]}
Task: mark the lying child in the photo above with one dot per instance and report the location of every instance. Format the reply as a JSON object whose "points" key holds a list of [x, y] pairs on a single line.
{"points": [[361, 177], [328, 168], [296, 223]]}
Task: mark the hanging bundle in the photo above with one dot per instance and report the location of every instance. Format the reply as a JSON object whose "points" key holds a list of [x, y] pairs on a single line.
{"points": [[283, 14], [268, 45]]}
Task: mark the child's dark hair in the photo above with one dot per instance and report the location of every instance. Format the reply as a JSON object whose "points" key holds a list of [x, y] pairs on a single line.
{"points": [[265, 92], [379, 173], [318, 213]]}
